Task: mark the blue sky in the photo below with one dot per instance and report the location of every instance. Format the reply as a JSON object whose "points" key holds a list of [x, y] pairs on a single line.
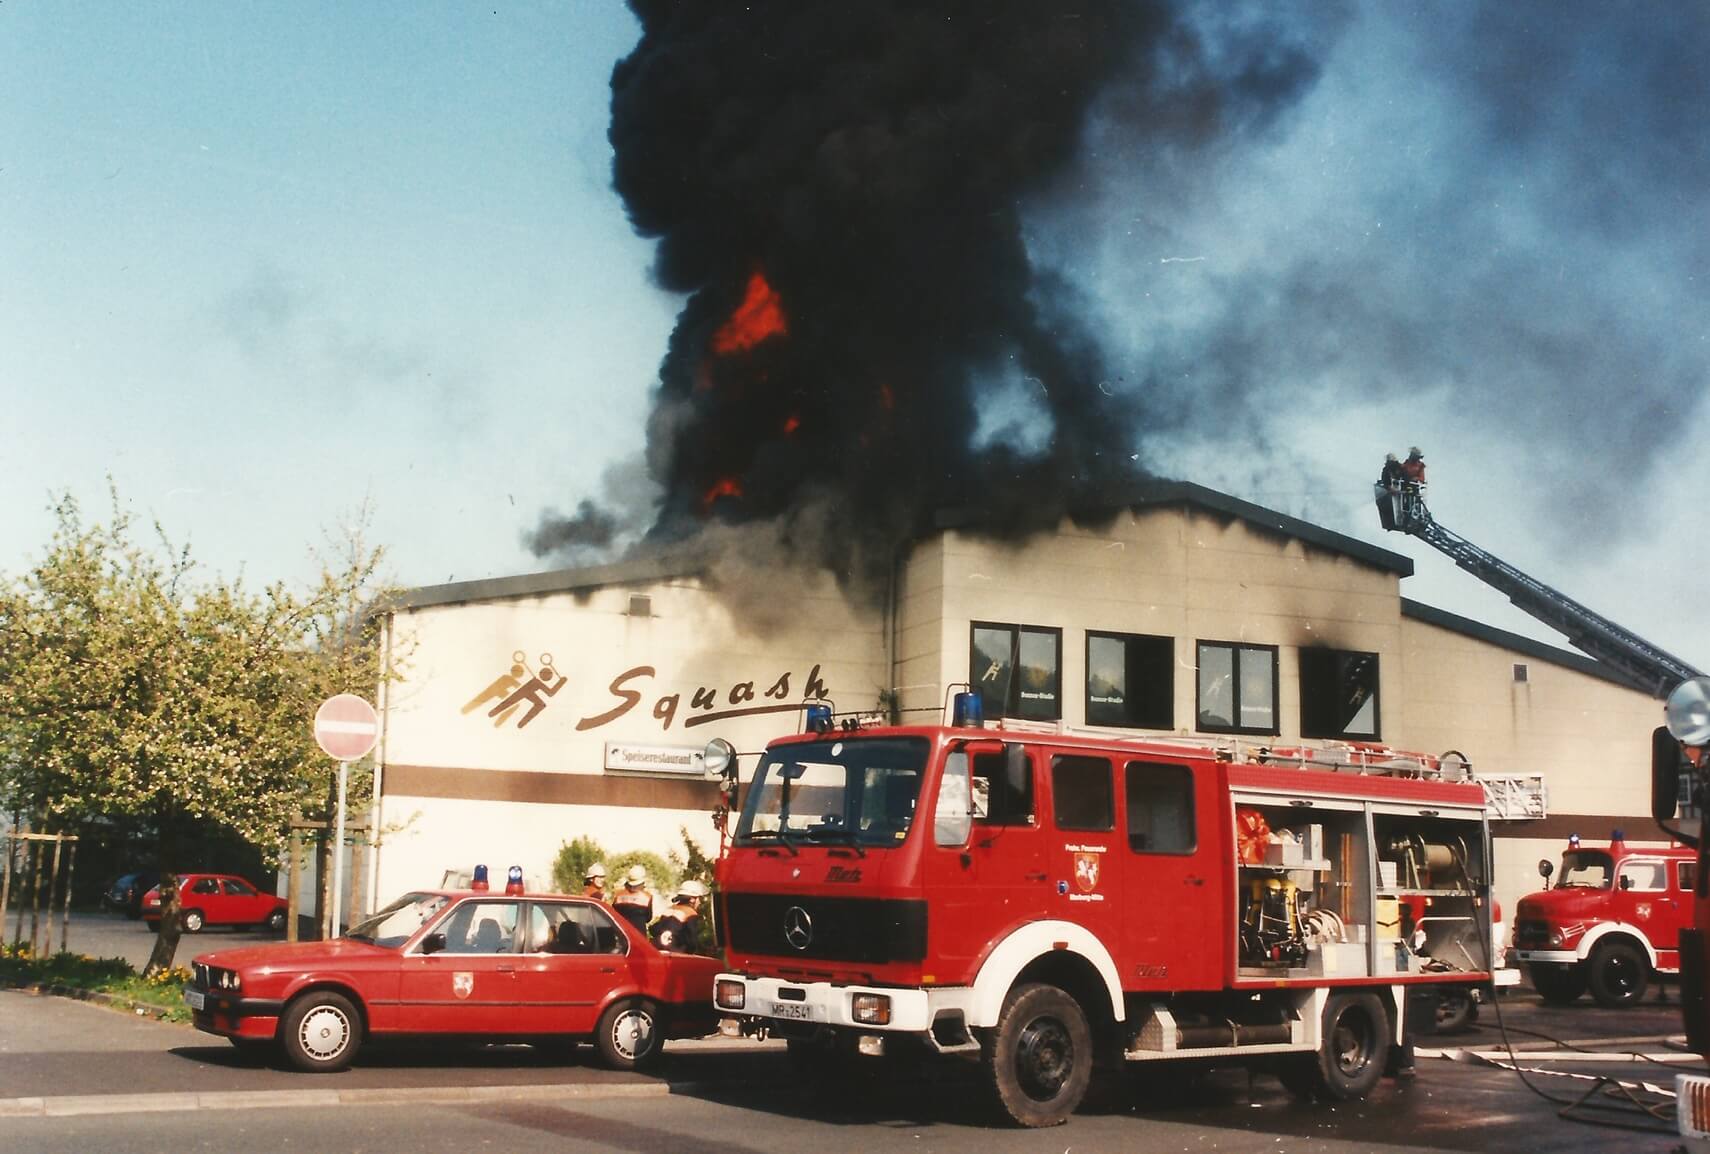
{"points": [[262, 263]]}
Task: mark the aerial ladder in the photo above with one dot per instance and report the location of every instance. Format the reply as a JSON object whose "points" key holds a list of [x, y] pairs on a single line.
{"points": [[1401, 508]]}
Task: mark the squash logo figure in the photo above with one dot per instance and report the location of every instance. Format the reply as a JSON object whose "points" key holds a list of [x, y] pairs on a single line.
{"points": [[1086, 872], [519, 687]]}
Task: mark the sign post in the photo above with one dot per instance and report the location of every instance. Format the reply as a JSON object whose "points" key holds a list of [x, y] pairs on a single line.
{"points": [[346, 728]]}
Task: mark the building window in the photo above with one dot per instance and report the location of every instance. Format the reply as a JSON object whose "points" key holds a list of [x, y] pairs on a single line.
{"points": [[1237, 688], [1131, 680], [1160, 807], [1082, 794], [1018, 670], [1338, 694]]}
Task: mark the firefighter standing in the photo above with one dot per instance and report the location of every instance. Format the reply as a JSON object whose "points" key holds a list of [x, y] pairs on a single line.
{"points": [[594, 882], [1413, 469], [678, 929], [635, 901]]}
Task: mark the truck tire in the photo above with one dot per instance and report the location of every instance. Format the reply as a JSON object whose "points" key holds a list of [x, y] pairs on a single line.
{"points": [[1354, 1047], [1557, 985], [1037, 1061], [1619, 973], [1455, 1011], [321, 1032]]}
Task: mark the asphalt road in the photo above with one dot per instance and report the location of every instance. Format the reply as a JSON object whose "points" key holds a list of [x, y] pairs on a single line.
{"points": [[77, 1077]]}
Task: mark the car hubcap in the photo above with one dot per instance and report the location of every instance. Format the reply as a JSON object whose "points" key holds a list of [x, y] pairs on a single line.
{"points": [[1044, 1057], [632, 1034], [324, 1033], [193, 922]]}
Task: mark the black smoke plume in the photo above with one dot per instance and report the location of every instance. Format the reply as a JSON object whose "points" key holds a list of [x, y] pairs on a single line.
{"points": [[840, 190]]}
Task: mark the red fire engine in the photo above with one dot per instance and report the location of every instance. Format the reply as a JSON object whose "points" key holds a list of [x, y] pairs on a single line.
{"points": [[1612, 918], [1062, 898]]}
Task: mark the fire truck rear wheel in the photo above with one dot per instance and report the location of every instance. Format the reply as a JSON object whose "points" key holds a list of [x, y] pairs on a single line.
{"points": [[1354, 1048], [1619, 974], [1038, 1059], [1557, 985]]}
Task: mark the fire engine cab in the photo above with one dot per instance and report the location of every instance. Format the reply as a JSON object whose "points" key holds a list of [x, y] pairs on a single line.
{"points": [[1612, 918], [1044, 899]]}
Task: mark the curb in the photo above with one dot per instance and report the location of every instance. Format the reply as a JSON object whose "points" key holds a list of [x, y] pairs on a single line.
{"points": [[89, 1104]]}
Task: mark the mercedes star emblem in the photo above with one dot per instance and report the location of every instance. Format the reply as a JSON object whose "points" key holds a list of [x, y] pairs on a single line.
{"points": [[798, 928]]}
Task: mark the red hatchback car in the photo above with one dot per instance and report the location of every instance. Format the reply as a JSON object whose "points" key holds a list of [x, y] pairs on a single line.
{"points": [[218, 900], [538, 968]]}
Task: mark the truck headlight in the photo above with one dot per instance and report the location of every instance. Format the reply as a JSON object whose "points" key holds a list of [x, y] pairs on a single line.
{"points": [[871, 1009], [730, 995], [1556, 937]]}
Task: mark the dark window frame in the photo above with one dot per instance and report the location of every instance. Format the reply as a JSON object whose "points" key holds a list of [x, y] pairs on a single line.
{"points": [[1307, 730], [1168, 690], [1234, 648], [1003, 710]]}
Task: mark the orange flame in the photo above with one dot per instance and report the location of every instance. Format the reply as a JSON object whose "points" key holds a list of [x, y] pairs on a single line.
{"points": [[759, 317], [723, 487]]}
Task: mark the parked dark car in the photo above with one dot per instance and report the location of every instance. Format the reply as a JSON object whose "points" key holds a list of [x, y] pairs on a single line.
{"points": [[124, 894]]}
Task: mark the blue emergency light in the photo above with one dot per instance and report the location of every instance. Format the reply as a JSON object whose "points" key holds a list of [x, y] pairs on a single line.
{"points": [[513, 880], [968, 710], [478, 881], [1573, 841], [819, 718]]}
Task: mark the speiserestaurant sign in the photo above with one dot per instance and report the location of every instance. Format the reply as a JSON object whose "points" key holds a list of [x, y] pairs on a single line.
{"points": [[528, 688]]}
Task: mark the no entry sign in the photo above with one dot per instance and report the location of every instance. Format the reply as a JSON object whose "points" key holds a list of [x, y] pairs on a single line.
{"points": [[346, 727]]}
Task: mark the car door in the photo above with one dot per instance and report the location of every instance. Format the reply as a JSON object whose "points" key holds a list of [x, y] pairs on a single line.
{"points": [[574, 954], [469, 985], [244, 903], [203, 893]]}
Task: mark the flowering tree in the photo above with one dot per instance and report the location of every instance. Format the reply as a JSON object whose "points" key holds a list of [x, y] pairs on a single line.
{"points": [[131, 688]]}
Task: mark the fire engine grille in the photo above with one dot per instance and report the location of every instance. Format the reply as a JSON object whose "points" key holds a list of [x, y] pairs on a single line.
{"points": [[868, 930]]}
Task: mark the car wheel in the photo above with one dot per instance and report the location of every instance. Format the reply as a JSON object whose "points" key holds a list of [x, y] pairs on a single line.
{"points": [[1557, 985], [629, 1036], [1619, 974], [1037, 1061], [1354, 1047], [321, 1032], [192, 921], [276, 921]]}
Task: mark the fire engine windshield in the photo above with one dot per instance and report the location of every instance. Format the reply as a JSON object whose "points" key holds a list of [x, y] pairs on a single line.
{"points": [[392, 926], [857, 791], [1585, 869]]}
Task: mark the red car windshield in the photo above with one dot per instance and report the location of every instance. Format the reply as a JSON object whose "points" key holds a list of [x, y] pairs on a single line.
{"points": [[394, 925]]}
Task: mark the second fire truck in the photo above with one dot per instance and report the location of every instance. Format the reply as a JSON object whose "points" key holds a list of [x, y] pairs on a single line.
{"points": [[1045, 901]]}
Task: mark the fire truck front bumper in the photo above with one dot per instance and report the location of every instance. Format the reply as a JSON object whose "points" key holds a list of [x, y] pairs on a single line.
{"points": [[804, 1009], [1557, 957]]}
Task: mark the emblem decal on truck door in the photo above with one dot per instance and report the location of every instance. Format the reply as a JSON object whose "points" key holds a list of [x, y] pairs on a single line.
{"points": [[1086, 872]]}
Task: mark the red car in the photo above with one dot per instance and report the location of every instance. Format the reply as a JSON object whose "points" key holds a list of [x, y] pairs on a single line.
{"points": [[539, 968], [217, 900]]}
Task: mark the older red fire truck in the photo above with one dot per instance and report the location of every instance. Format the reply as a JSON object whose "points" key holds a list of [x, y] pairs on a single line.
{"points": [[1045, 901]]}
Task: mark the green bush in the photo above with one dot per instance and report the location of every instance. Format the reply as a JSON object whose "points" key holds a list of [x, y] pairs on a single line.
{"points": [[571, 864]]}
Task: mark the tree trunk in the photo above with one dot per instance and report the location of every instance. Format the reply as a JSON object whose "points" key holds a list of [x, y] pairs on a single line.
{"points": [[166, 945]]}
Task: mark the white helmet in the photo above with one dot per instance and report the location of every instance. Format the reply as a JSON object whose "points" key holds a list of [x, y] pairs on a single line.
{"points": [[636, 877], [597, 870], [693, 889]]}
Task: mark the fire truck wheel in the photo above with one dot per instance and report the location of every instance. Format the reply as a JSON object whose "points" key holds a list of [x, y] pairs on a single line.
{"points": [[1557, 985], [1619, 974], [628, 1036], [321, 1032], [1038, 1059], [1454, 1012], [1355, 1047]]}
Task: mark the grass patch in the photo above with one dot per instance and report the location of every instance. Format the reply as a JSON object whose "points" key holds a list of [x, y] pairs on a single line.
{"points": [[112, 977]]}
